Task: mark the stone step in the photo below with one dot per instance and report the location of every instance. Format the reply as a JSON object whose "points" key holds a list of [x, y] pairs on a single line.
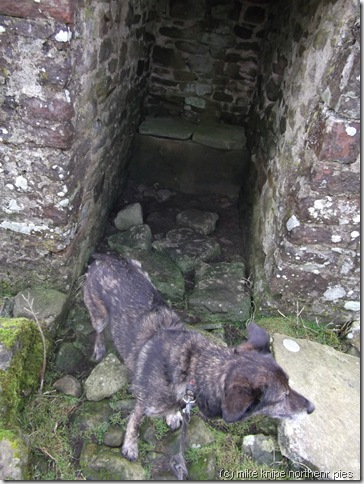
{"points": [[174, 128], [215, 135], [220, 136]]}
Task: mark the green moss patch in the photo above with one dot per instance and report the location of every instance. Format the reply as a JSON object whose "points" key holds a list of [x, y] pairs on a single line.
{"points": [[22, 349]]}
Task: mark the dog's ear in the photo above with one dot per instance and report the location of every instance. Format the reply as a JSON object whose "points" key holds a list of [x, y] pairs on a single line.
{"points": [[258, 340], [238, 400]]}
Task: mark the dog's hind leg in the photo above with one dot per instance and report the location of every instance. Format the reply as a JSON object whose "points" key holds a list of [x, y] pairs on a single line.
{"points": [[99, 348], [130, 446], [99, 316]]}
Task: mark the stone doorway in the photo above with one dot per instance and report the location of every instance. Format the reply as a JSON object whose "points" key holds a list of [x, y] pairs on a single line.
{"points": [[78, 81]]}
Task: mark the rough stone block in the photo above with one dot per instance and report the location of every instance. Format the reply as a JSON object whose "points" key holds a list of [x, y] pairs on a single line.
{"points": [[328, 440], [334, 139], [327, 179], [329, 210], [62, 10], [168, 58]]}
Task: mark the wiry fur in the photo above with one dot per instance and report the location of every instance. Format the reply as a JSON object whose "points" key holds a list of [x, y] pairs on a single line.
{"points": [[163, 356]]}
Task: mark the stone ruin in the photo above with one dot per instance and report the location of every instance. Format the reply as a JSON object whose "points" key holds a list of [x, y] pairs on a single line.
{"points": [[79, 81]]}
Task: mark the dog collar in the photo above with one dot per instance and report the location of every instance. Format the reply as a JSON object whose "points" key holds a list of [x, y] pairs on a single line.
{"points": [[189, 397]]}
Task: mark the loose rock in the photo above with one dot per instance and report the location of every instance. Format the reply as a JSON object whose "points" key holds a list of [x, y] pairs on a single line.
{"points": [[114, 437], [261, 448], [220, 289], [199, 220], [70, 359], [138, 237], [129, 216], [107, 378], [187, 248], [68, 385]]}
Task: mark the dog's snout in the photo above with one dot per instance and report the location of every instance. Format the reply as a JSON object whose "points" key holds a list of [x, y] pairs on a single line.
{"points": [[310, 407]]}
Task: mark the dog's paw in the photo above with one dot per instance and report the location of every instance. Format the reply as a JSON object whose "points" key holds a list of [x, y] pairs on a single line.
{"points": [[130, 452], [174, 420]]}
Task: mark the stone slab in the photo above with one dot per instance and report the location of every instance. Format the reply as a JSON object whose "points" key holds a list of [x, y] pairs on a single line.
{"points": [[167, 128], [220, 136], [187, 248], [328, 440], [188, 167], [220, 289], [199, 220]]}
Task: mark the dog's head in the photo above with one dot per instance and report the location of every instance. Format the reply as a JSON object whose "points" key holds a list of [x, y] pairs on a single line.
{"points": [[256, 384]]}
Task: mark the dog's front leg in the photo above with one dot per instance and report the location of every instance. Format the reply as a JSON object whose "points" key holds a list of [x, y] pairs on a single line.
{"points": [[130, 446]]}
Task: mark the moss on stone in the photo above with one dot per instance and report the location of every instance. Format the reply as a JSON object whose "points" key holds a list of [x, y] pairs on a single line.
{"points": [[21, 337]]}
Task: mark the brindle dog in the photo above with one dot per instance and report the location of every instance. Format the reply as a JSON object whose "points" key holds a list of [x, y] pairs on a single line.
{"points": [[164, 356]]}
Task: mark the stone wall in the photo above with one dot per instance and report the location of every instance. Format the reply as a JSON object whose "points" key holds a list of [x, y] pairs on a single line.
{"points": [[305, 177], [72, 77], [205, 60], [78, 76]]}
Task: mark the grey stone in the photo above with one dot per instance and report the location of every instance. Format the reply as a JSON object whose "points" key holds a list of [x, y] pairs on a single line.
{"points": [[68, 385], [167, 128], [198, 435], [261, 448], [114, 437], [49, 306], [124, 405], [221, 136], [136, 237], [220, 288], [164, 274], [107, 378], [328, 440], [129, 216], [69, 359], [187, 248], [102, 463], [14, 456], [163, 195], [90, 416], [199, 220]]}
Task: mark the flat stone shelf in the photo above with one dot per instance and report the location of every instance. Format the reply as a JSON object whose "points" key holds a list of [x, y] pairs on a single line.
{"points": [[220, 136], [209, 158]]}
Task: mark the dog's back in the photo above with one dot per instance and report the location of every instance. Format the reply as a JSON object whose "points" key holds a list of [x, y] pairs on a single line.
{"points": [[118, 293]]}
